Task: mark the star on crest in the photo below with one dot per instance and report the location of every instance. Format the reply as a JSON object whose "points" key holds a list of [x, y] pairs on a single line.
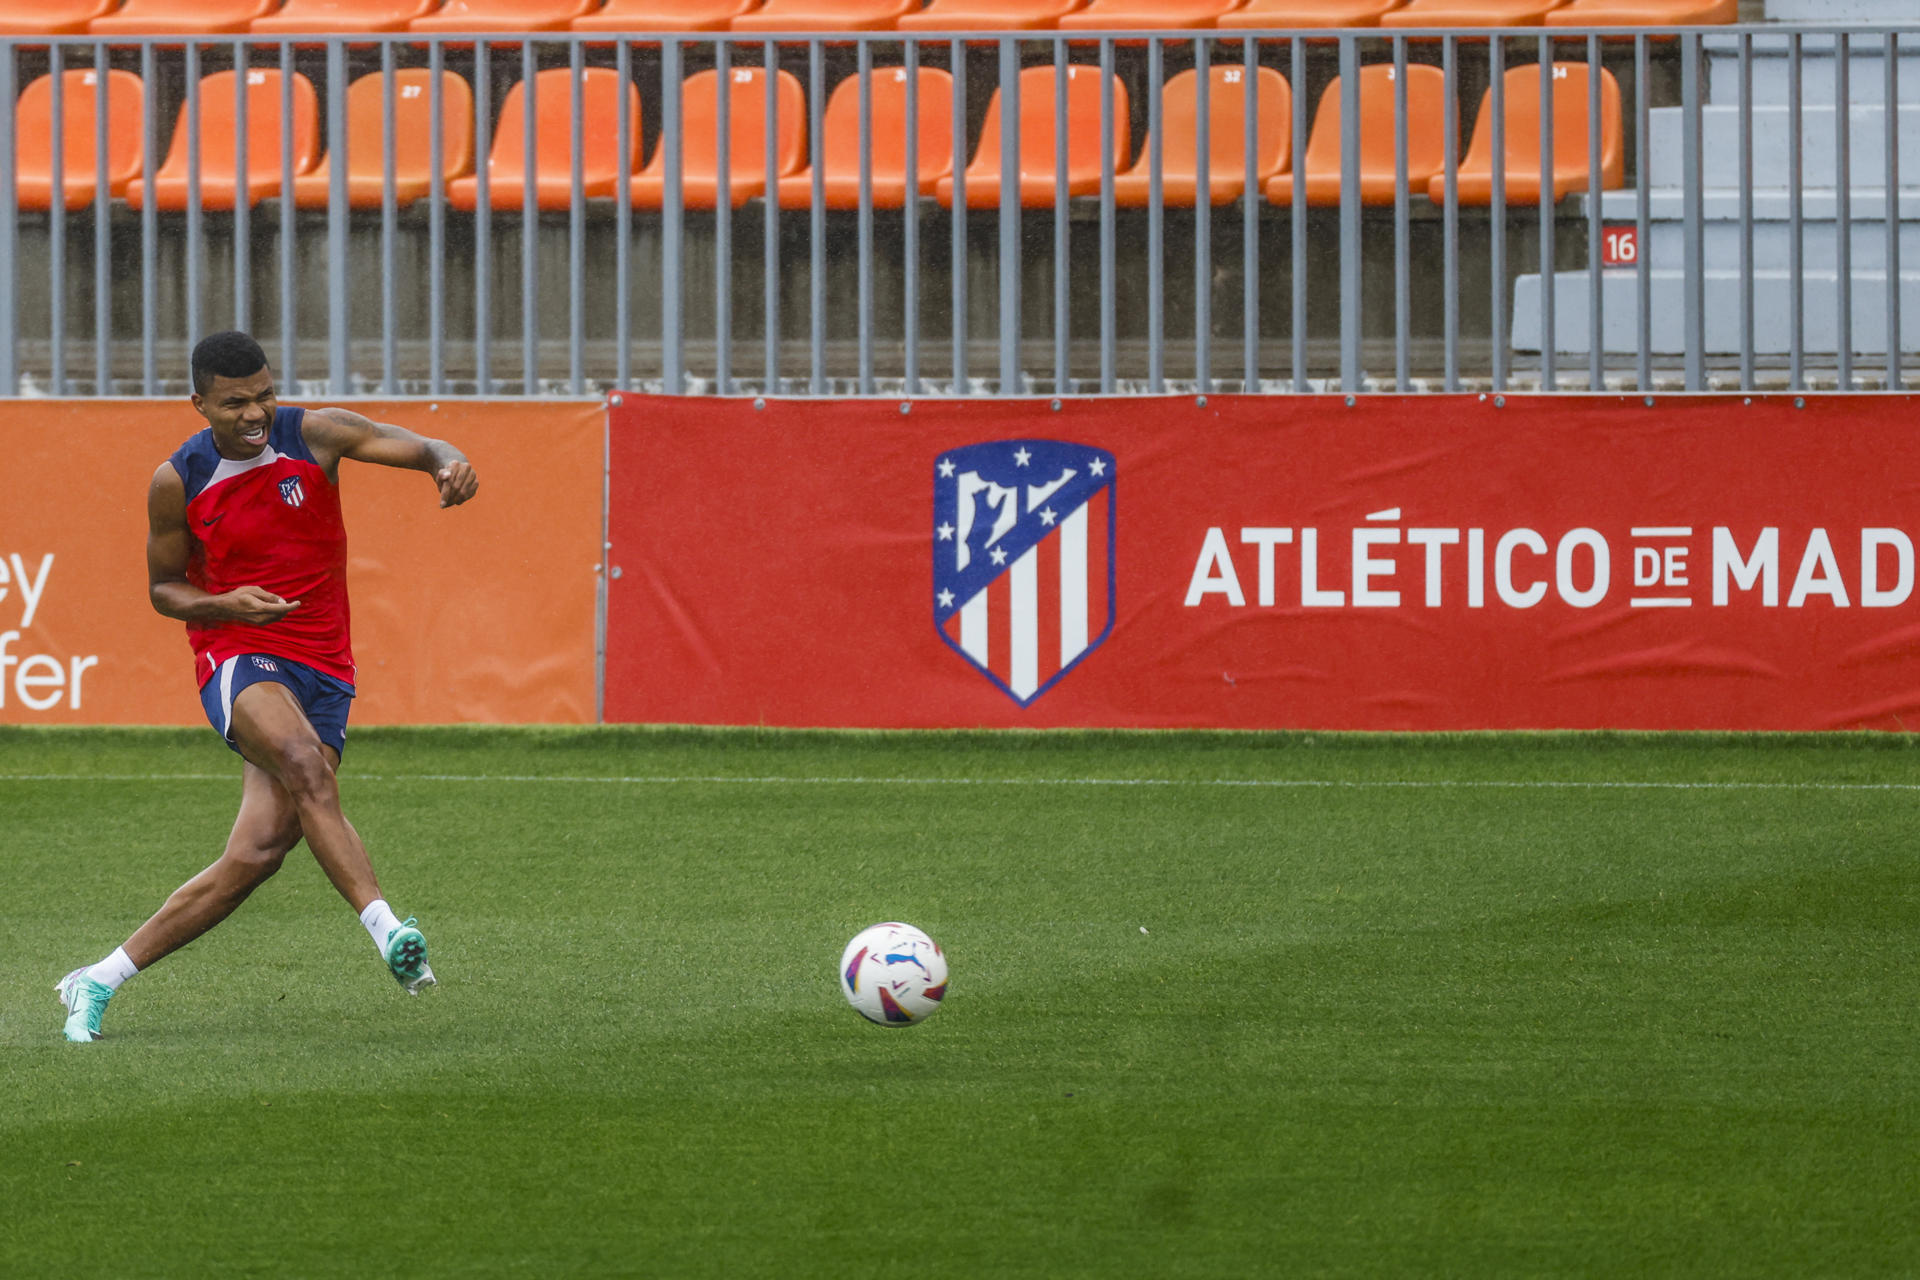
{"points": [[1098, 466], [946, 468], [946, 532], [1021, 457], [946, 599], [999, 555], [1047, 517]]}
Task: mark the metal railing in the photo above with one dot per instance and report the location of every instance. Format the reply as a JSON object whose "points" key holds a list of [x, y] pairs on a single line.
{"points": [[1668, 276]]}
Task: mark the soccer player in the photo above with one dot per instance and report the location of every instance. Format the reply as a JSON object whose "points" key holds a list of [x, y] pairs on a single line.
{"points": [[245, 545]]}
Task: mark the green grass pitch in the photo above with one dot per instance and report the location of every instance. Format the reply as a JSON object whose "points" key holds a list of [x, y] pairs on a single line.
{"points": [[1222, 1005]]}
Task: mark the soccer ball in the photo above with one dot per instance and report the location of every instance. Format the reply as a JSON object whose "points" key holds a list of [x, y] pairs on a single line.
{"points": [[893, 975]]}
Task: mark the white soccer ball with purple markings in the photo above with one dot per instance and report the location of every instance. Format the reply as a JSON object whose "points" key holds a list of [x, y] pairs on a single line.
{"points": [[893, 975]]}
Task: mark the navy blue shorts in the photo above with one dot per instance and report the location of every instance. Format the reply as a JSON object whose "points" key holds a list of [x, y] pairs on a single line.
{"points": [[324, 698]]}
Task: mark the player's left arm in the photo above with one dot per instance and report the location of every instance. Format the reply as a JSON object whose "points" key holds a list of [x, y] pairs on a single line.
{"points": [[333, 434]]}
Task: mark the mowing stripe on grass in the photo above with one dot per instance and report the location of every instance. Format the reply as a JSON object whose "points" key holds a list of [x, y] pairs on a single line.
{"points": [[1417, 784]]}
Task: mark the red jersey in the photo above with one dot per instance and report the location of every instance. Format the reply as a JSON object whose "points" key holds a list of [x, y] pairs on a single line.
{"points": [[273, 522]]}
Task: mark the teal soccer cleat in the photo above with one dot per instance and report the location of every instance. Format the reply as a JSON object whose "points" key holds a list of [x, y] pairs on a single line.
{"points": [[406, 956], [85, 1000]]}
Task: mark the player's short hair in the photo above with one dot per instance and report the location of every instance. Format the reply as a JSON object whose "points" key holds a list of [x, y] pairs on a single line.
{"points": [[230, 354]]}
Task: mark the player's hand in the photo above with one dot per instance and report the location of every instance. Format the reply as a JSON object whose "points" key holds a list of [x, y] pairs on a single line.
{"points": [[457, 483], [257, 605]]}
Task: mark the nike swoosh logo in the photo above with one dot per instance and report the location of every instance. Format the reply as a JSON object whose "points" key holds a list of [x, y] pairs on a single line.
{"points": [[211, 519]]}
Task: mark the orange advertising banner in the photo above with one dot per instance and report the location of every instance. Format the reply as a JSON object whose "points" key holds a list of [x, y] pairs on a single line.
{"points": [[483, 613]]}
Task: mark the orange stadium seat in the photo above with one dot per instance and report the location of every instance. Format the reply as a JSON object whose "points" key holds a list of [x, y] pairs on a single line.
{"points": [[1522, 113], [126, 116], [1036, 162], [1145, 15], [219, 181], [746, 140], [1226, 138], [985, 15], [412, 140], [52, 17], [1645, 13], [1470, 13], [1379, 183], [1293, 14], [840, 142], [825, 15], [600, 95], [640, 16], [180, 17], [340, 17], [457, 17]]}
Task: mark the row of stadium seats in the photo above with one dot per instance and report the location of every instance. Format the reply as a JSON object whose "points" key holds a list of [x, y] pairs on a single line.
{"points": [[601, 91], [439, 17]]}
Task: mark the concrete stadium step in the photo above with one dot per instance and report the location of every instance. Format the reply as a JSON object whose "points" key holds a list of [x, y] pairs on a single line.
{"points": [[1772, 312], [1773, 140], [1866, 66]]}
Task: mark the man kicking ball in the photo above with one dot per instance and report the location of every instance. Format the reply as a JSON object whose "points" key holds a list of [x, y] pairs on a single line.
{"points": [[245, 545]]}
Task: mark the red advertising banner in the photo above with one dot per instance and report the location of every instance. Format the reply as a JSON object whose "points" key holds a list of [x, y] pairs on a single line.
{"points": [[1422, 562]]}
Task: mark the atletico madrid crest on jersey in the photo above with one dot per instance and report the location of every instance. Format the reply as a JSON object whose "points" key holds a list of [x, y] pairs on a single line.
{"points": [[291, 493], [1023, 534]]}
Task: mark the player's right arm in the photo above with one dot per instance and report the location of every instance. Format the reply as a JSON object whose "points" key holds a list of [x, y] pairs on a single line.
{"points": [[170, 547]]}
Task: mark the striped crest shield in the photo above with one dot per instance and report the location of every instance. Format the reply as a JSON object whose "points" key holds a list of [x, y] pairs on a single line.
{"points": [[1023, 534]]}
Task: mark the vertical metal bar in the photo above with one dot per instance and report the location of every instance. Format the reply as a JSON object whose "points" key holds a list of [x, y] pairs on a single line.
{"points": [[1643, 292], [102, 230], [1890, 54], [1596, 293], [1350, 245], [1250, 196], [817, 228], [389, 214], [958, 225], [1843, 207], [529, 224], [436, 223], [289, 216], [243, 195], [1545, 199], [1107, 160], [1156, 219], [1497, 213], [56, 221], [10, 239], [723, 219], [1450, 209], [864, 59], [337, 372], [1009, 216], [1746, 211], [577, 219], [770, 255], [1202, 216], [623, 220], [1692, 200], [1796, 250], [482, 218], [910, 224], [149, 229], [1061, 319], [1298, 214], [671, 144], [196, 240], [1402, 251]]}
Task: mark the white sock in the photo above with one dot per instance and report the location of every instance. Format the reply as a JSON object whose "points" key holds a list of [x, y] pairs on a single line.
{"points": [[380, 921], [114, 970]]}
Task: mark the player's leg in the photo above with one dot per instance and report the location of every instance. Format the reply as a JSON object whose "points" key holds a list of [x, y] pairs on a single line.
{"points": [[263, 832], [271, 729], [266, 828]]}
